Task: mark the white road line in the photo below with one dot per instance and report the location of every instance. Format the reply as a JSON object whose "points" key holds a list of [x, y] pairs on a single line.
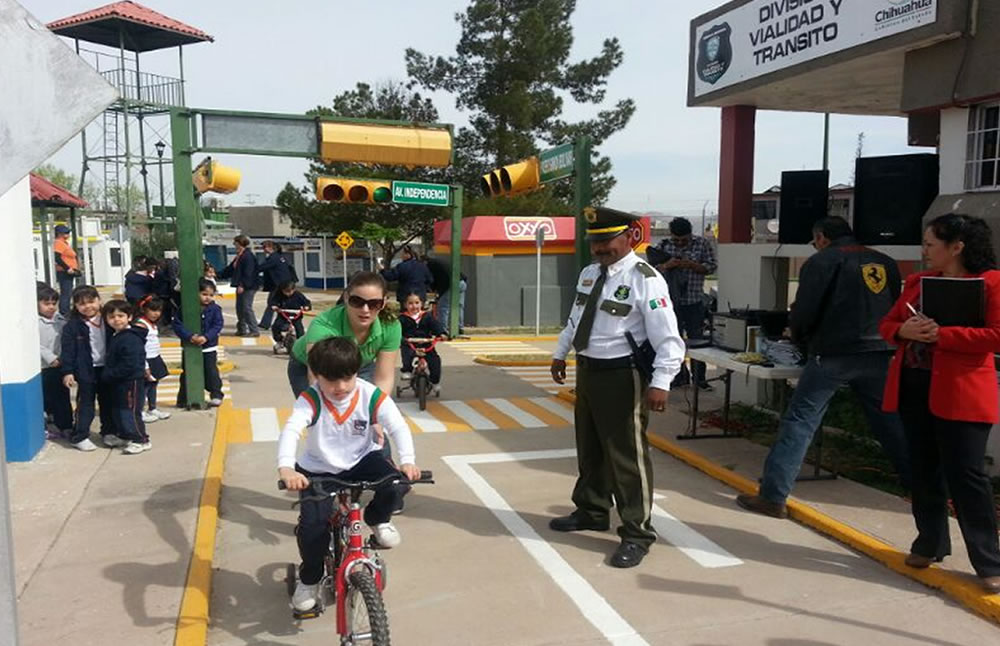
{"points": [[699, 548], [470, 415], [553, 407], [264, 424], [592, 605], [424, 420], [507, 408]]}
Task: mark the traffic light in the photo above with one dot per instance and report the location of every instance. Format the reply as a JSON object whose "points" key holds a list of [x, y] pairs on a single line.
{"points": [[353, 191], [385, 144], [513, 179], [212, 176]]}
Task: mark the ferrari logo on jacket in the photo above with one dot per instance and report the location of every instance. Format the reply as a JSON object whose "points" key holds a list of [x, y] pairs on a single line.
{"points": [[875, 277]]}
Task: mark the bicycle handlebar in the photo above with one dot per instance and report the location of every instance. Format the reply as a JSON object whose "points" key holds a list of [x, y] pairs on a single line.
{"points": [[316, 483]]}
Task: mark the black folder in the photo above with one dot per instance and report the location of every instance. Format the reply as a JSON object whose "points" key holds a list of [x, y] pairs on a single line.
{"points": [[954, 301]]}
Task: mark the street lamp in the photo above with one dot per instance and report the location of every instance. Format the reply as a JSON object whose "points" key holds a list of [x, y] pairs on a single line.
{"points": [[160, 146]]}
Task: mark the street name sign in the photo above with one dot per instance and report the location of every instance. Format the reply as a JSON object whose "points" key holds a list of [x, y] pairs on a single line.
{"points": [[555, 163], [421, 194]]}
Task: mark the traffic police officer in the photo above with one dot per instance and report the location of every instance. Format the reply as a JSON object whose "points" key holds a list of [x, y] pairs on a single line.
{"points": [[618, 296]]}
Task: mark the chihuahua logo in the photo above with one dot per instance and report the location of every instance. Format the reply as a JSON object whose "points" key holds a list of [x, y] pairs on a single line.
{"points": [[590, 214], [875, 278]]}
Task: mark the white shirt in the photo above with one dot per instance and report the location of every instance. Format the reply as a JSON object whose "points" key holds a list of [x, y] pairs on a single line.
{"points": [[632, 302], [98, 340], [343, 434], [152, 339]]}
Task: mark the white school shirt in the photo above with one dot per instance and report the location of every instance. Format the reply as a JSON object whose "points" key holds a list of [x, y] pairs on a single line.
{"points": [[634, 299], [343, 432], [152, 338], [98, 340]]}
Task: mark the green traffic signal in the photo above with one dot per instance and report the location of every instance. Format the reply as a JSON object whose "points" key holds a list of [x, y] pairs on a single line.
{"points": [[382, 194]]}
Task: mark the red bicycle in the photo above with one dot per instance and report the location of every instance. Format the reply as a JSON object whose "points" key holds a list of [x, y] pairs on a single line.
{"points": [[420, 379], [355, 573], [288, 336]]}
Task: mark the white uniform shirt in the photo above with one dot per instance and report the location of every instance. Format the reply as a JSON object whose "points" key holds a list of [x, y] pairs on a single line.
{"points": [[98, 340], [152, 339], [343, 434], [632, 302]]}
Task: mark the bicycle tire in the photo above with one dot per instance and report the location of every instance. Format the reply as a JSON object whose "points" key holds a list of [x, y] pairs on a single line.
{"points": [[291, 578], [289, 341], [365, 597], [421, 386]]}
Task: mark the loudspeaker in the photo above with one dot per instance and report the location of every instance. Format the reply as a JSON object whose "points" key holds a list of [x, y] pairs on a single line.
{"points": [[891, 196], [804, 196]]}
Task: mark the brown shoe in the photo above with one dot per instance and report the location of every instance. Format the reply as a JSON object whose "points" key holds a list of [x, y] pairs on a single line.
{"points": [[920, 562], [761, 506], [991, 584]]}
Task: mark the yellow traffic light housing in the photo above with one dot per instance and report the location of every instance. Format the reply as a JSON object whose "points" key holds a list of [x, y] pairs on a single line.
{"points": [[212, 176], [513, 179], [385, 144], [353, 191]]}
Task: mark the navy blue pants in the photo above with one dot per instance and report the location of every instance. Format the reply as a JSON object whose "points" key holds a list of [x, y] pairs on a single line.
{"points": [[129, 399], [87, 392], [56, 398]]}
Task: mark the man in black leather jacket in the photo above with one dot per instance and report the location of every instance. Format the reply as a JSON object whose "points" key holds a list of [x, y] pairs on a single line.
{"points": [[844, 291]]}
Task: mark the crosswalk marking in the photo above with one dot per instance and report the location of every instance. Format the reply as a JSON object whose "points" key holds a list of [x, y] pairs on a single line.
{"points": [[541, 377], [495, 347], [515, 413]]}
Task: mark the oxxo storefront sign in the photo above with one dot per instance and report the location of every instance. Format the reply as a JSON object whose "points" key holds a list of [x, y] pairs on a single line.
{"points": [[765, 36]]}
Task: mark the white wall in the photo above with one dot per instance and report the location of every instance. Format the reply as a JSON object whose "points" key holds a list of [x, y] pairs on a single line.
{"points": [[951, 148], [19, 323]]}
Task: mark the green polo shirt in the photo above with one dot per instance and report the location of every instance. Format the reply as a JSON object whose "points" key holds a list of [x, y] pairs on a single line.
{"points": [[333, 322]]}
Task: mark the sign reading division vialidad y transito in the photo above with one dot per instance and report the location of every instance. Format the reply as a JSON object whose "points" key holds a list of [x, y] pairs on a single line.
{"points": [[764, 36], [421, 193]]}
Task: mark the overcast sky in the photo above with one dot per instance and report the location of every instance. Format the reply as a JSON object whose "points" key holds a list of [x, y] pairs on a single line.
{"points": [[291, 56]]}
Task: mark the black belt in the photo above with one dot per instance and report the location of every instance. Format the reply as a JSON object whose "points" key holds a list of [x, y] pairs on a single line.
{"points": [[604, 364]]}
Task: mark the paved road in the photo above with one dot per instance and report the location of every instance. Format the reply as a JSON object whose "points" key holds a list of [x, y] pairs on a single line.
{"points": [[478, 564]]}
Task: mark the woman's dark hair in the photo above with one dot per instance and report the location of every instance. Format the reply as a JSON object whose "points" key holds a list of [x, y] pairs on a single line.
{"points": [[336, 357], [46, 294], [117, 305], [242, 240], [680, 227], [977, 254], [204, 283], [154, 304], [364, 279], [84, 293]]}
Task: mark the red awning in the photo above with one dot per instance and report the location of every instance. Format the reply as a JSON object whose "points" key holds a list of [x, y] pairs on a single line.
{"points": [[45, 193], [518, 231], [144, 29]]}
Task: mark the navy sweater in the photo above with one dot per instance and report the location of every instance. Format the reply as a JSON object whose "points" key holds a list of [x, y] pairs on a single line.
{"points": [[75, 357], [211, 326], [126, 360]]}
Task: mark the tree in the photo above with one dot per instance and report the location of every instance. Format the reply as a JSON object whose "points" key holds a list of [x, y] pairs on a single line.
{"points": [[511, 70], [858, 152], [58, 176], [388, 225]]}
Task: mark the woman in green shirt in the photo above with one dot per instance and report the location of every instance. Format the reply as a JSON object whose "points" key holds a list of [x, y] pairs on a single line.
{"points": [[364, 318]]}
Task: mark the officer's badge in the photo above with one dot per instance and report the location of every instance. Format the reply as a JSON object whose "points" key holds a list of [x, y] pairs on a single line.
{"points": [[622, 292], [590, 214], [360, 426], [875, 277]]}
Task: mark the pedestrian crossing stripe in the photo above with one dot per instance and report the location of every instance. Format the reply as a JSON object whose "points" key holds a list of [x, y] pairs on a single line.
{"points": [[541, 377], [513, 413]]}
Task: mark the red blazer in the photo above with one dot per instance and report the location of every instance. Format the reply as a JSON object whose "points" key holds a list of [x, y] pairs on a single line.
{"points": [[963, 376]]}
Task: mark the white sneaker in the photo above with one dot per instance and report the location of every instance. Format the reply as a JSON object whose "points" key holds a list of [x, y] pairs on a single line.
{"points": [[304, 597], [387, 535], [135, 448], [215, 402], [437, 390], [405, 376], [85, 445], [113, 441], [160, 414], [149, 418]]}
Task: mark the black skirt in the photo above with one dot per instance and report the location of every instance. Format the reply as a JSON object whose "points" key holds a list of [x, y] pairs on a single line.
{"points": [[157, 368]]}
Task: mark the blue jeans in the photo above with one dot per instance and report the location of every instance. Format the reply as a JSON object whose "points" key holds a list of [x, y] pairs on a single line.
{"points": [[865, 373], [691, 323]]}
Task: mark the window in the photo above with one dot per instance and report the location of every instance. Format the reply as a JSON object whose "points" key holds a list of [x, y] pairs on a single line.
{"points": [[312, 262], [116, 257], [982, 154]]}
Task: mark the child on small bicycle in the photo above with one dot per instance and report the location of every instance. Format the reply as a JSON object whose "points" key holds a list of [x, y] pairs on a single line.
{"points": [[288, 298], [340, 412], [418, 323]]}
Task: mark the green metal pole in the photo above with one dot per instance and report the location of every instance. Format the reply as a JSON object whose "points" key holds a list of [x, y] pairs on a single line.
{"points": [[582, 194], [190, 251], [457, 197]]}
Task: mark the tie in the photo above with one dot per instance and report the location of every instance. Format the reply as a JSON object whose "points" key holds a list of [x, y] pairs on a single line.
{"points": [[582, 337]]}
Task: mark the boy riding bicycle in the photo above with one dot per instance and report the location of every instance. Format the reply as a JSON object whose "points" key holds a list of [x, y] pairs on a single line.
{"points": [[340, 412]]}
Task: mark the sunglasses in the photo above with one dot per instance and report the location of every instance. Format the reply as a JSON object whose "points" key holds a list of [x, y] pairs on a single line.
{"points": [[373, 304]]}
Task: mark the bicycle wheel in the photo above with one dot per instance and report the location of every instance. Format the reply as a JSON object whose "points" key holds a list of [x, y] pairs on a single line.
{"points": [[421, 385], [367, 621], [291, 577]]}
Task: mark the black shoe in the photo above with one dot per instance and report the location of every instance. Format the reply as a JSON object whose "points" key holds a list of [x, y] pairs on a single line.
{"points": [[704, 386], [762, 506], [628, 554], [576, 522]]}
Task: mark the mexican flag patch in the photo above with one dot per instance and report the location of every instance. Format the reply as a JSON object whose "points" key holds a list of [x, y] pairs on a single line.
{"points": [[657, 302]]}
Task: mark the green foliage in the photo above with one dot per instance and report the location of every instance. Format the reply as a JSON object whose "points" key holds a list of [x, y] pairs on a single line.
{"points": [[58, 176], [388, 225], [511, 70], [160, 239]]}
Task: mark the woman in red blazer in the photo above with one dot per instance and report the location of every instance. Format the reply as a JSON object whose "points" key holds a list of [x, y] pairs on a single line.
{"points": [[943, 382]]}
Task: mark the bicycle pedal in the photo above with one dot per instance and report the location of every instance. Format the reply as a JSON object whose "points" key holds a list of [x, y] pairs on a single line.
{"points": [[308, 614]]}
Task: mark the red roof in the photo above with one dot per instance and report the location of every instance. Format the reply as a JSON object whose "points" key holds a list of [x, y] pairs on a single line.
{"points": [[144, 28], [45, 193]]}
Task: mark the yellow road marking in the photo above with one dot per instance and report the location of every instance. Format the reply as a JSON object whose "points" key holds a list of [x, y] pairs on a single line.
{"points": [[444, 415], [492, 414]]}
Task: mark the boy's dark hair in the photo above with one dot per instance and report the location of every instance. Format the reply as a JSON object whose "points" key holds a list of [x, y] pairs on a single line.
{"points": [[151, 263], [117, 305], [139, 262], [832, 227], [46, 293], [84, 293], [153, 304], [335, 358], [680, 227], [204, 283], [285, 285]]}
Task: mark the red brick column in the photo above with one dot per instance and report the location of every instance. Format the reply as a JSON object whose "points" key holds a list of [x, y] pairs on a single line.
{"points": [[736, 173]]}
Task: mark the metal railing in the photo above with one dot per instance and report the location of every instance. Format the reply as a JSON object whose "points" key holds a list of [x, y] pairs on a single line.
{"points": [[151, 89]]}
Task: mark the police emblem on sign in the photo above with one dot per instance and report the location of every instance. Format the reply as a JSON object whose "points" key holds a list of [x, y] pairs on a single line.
{"points": [[360, 426], [715, 53], [875, 277]]}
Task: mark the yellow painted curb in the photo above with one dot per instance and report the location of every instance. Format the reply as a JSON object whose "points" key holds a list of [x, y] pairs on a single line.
{"points": [[486, 361], [960, 587], [224, 367], [192, 621]]}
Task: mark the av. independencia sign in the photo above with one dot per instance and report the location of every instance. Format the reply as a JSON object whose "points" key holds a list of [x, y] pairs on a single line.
{"points": [[765, 36]]}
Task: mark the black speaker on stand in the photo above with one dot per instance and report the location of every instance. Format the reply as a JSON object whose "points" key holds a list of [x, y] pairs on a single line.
{"points": [[804, 195], [891, 197]]}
